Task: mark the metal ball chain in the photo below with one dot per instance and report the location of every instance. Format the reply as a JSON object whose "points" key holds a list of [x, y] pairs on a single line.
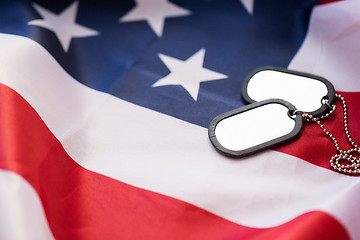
{"points": [[353, 164]]}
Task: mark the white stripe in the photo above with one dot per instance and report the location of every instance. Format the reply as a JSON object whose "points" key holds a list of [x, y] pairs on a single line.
{"points": [[331, 48], [22, 215], [157, 152]]}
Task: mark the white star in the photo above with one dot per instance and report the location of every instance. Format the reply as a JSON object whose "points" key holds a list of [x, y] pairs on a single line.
{"points": [[189, 73], [63, 24], [154, 12], [249, 5]]}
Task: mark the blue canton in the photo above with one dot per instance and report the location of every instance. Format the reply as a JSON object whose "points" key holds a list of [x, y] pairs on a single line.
{"points": [[123, 59]]}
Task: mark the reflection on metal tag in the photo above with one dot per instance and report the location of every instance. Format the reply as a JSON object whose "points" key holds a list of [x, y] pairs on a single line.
{"points": [[254, 127], [305, 91]]}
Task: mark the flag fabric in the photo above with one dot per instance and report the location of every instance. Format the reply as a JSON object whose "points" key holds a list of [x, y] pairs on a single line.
{"points": [[104, 108]]}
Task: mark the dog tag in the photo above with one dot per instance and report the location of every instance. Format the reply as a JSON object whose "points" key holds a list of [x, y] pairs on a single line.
{"points": [[254, 127], [305, 91]]}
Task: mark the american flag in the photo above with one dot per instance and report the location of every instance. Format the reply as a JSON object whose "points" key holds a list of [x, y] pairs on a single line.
{"points": [[104, 109]]}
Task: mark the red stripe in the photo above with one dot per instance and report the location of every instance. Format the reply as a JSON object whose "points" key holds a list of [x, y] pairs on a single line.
{"points": [[314, 146], [329, 1], [80, 204]]}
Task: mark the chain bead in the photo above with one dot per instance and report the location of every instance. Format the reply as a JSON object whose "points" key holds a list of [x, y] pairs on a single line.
{"points": [[353, 164]]}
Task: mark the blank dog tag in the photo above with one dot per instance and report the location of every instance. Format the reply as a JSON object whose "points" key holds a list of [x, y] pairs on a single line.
{"points": [[306, 92], [254, 127]]}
